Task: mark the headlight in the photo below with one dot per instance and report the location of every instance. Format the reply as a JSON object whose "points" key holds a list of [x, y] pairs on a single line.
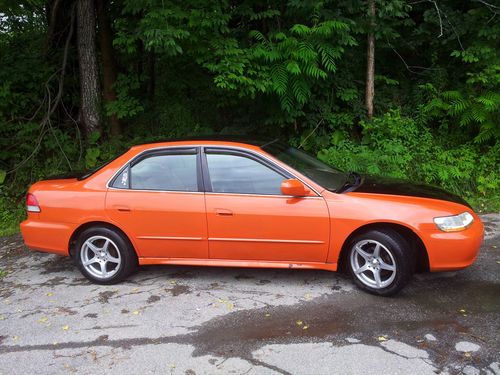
{"points": [[454, 223]]}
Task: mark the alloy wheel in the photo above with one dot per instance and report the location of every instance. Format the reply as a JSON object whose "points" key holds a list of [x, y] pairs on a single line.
{"points": [[373, 264], [100, 257]]}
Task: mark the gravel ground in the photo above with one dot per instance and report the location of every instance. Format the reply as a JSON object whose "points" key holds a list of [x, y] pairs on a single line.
{"points": [[188, 320]]}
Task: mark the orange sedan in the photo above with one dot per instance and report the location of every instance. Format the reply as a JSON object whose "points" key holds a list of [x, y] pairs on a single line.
{"points": [[248, 204]]}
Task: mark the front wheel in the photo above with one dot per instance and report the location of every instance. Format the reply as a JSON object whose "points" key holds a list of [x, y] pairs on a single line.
{"points": [[380, 262], [104, 256]]}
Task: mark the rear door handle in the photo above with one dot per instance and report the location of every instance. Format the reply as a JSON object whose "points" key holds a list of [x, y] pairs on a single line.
{"points": [[122, 208], [223, 212]]}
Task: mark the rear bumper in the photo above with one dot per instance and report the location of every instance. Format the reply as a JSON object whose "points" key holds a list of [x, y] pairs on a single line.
{"points": [[455, 250], [47, 237]]}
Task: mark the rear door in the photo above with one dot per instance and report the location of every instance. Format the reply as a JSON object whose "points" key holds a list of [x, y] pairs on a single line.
{"points": [[249, 218], [158, 200]]}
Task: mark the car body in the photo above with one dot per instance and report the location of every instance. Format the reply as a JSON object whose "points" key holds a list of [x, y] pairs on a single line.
{"points": [[229, 203]]}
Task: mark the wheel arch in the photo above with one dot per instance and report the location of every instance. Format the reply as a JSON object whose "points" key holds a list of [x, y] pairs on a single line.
{"points": [[422, 260], [97, 224]]}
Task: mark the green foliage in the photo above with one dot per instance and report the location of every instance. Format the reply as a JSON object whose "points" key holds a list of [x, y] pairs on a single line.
{"points": [[398, 146], [126, 104], [11, 214], [286, 64]]}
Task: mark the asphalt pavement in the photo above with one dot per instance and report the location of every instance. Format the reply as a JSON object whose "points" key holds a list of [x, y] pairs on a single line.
{"points": [[205, 320]]}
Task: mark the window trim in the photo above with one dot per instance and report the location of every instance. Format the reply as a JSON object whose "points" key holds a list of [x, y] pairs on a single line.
{"points": [[182, 150], [242, 153], [202, 171]]}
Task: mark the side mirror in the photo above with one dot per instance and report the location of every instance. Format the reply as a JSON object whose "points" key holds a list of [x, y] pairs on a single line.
{"points": [[294, 188]]}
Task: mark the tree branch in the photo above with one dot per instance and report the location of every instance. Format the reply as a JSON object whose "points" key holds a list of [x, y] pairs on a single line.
{"points": [[45, 124], [439, 16], [490, 6]]}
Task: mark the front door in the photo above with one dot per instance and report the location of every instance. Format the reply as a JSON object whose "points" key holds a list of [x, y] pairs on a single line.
{"points": [[158, 201], [248, 217]]}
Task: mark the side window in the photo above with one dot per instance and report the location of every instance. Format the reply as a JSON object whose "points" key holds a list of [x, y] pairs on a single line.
{"points": [[161, 172], [239, 174], [121, 181]]}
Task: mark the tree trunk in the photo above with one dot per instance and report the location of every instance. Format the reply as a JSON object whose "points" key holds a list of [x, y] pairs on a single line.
{"points": [[370, 63], [87, 61], [108, 61]]}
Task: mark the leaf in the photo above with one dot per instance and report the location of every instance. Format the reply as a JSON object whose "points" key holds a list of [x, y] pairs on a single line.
{"points": [[299, 322], [3, 174], [382, 338], [94, 137], [293, 67], [91, 156], [65, 328], [300, 29], [135, 312]]}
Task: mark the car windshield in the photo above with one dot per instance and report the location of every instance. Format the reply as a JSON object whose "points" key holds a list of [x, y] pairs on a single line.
{"points": [[330, 178]]}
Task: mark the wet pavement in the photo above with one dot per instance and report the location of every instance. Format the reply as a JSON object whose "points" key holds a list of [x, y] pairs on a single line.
{"points": [[188, 320]]}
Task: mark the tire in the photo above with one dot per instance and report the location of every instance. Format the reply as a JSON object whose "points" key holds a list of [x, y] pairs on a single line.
{"points": [[100, 246], [394, 263]]}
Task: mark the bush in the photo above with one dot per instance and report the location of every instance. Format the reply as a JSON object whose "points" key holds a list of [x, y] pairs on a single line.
{"points": [[400, 147]]}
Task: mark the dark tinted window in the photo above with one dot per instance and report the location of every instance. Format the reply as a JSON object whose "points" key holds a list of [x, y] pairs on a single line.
{"points": [[239, 174], [161, 172], [321, 173]]}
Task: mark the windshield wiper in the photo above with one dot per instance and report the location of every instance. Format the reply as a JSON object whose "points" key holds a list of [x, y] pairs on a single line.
{"points": [[352, 181]]}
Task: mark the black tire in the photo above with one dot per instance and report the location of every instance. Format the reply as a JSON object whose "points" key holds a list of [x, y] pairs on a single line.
{"points": [[119, 248], [394, 252]]}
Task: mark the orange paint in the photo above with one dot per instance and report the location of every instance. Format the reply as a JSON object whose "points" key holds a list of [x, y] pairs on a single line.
{"points": [[205, 228]]}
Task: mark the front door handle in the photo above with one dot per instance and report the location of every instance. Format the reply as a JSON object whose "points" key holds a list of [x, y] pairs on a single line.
{"points": [[122, 208], [223, 212]]}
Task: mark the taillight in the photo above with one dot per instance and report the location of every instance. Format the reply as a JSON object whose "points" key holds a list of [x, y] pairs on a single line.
{"points": [[32, 203]]}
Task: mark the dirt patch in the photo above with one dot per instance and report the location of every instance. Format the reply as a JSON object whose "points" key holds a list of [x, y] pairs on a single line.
{"points": [[105, 296], [153, 299], [177, 290], [66, 311], [56, 265], [244, 277]]}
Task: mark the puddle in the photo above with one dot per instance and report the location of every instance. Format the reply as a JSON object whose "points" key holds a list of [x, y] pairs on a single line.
{"points": [[332, 318]]}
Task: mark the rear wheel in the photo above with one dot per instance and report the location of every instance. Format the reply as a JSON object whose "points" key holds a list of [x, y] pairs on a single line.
{"points": [[380, 261], [104, 256]]}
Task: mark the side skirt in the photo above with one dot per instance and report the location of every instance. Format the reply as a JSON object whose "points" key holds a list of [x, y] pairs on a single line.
{"points": [[239, 263]]}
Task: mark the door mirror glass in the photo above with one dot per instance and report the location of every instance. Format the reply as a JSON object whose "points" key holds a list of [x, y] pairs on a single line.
{"points": [[294, 188]]}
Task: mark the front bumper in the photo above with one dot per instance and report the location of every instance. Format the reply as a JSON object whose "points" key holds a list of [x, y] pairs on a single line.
{"points": [[449, 251]]}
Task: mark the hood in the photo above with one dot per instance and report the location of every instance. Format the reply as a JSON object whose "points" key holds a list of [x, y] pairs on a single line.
{"points": [[383, 185]]}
